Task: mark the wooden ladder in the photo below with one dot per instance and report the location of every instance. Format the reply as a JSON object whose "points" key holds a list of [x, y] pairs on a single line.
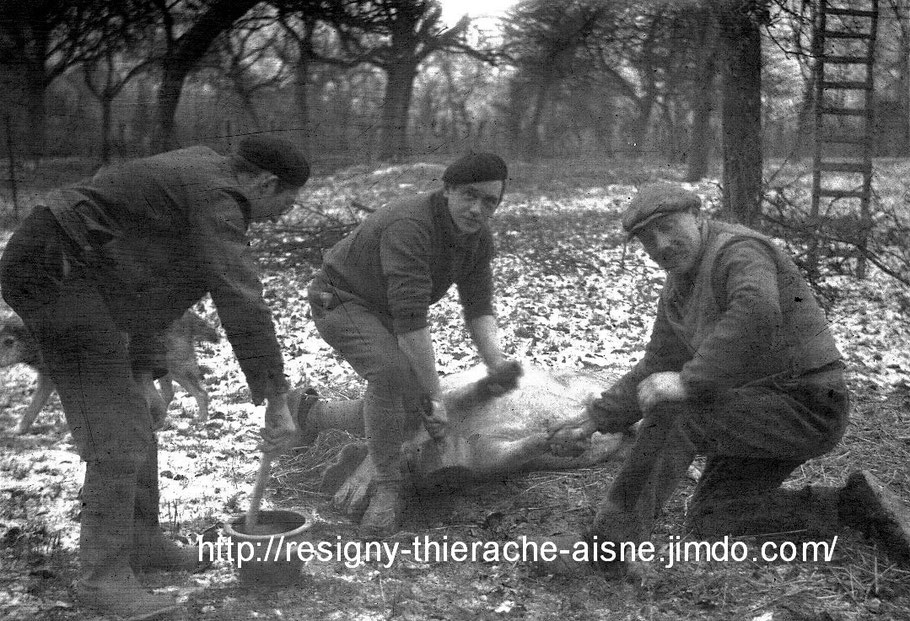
{"points": [[843, 46]]}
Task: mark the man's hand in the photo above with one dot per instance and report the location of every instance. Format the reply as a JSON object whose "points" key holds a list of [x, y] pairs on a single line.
{"points": [[659, 388], [501, 377], [572, 438], [436, 419], [279, 431]]}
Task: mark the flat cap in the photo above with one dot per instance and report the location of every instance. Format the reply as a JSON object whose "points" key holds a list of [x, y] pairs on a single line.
{"points": [[276, 155], [655, 200], [476, 168]]}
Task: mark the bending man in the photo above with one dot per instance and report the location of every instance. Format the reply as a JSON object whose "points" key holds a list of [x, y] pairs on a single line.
{"points": [[97, 272]]}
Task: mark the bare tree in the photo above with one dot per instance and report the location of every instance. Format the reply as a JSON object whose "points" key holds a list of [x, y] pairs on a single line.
{"points": [[39, 41], [703, 96], [201, 24]]}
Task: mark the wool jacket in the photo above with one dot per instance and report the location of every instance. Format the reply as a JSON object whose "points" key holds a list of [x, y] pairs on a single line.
{"points": [[744, 315], [159, 233], [406, 256]]}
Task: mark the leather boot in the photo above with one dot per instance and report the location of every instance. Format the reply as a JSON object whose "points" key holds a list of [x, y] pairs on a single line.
{"points": [[383, 515], [152, 551], [107, 583]]}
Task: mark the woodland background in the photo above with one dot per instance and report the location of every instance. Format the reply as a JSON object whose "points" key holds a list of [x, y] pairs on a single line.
{"points": [[586, 100]]}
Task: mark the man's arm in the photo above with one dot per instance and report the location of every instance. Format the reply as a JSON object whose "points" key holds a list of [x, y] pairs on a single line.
{"points": [[417, 346], [232, 279], [745, 339], [485, 335]]}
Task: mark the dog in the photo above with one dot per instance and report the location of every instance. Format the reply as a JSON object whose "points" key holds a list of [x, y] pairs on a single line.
{"points": [[17, 345]]}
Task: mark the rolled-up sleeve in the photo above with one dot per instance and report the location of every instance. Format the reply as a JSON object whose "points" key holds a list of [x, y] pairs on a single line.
{"points": [[405, 249], [475, 290]]}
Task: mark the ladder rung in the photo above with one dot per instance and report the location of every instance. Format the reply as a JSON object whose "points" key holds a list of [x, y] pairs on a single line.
{"points": [[844, 111], [843, 139], [847, 60], [842, 193], [850, 12], [847, 84], [840, 34], [857, 167]]}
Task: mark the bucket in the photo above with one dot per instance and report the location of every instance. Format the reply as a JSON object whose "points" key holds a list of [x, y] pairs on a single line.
{"points": [[268, 556]]}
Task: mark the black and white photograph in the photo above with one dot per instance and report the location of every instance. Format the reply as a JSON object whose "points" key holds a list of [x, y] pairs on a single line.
{"points": [[455, 309]]}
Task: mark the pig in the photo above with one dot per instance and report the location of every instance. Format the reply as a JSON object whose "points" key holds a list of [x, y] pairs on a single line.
{"points": [[488, 435], [18, 346]]}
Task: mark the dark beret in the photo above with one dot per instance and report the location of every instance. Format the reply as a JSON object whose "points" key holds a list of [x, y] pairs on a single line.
{"points": [[276, 155], [476, 168], [655, 200]]}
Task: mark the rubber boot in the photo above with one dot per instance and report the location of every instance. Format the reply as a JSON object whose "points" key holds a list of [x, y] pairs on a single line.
{"points": [[152, 551], [107, 583]]}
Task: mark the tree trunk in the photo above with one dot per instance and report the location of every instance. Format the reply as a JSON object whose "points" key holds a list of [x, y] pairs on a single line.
{"points": [[642, 120], [394, 125], [22, 84], [106, 104], [903, 80], [183, 55], [172, 76], [740, 49], [532, 131], [702, 106]]}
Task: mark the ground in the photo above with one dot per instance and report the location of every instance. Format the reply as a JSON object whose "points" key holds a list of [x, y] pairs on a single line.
{"points": [[570, 295]]}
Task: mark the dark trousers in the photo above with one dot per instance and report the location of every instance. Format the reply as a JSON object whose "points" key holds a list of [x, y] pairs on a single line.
{"points": [[85, 350], [753, 437]]}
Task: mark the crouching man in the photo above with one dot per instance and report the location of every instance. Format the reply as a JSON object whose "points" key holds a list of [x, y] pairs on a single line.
{"points": [[740, 367], [370, 302], [98, 272]]}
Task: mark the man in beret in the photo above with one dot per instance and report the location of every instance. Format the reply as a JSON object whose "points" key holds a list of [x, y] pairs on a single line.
{"points": [[98, 271], [740, 367], [370, 302]]}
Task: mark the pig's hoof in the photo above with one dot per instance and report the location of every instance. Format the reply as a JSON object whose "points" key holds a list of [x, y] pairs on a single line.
{"points": [[336, 473], [351, 500]]}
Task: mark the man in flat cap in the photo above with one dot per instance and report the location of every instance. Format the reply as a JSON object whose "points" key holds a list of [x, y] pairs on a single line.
{"points": [[370, 302], [97, 272], [741, 367]]}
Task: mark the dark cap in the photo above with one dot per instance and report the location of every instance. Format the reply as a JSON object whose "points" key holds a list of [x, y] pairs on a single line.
{"points": [[276, 155], [476, 168], [654, 201]]}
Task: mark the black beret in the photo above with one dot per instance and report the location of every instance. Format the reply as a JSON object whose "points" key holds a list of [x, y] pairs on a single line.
{"points": [[476, 168], [276, 155], [655, 200]]}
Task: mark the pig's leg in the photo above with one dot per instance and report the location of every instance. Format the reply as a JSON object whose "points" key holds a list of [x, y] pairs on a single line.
{"points": [[42, 394], [313, 415], [166, 388], [353, 497], [192, 383], [347, 462], [346, 415]]}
